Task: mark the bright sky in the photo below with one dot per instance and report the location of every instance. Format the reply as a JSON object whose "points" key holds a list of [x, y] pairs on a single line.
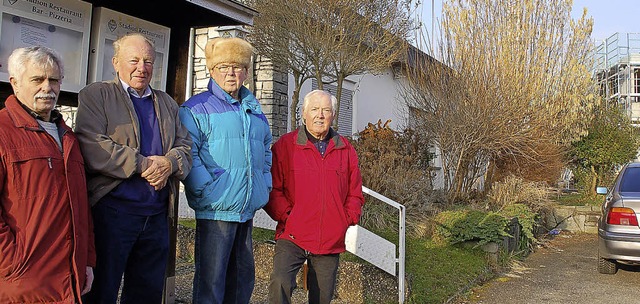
{"points": [[609, 16]]}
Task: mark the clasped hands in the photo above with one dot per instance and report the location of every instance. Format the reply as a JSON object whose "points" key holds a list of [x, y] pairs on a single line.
{"points": [[158, 171]]}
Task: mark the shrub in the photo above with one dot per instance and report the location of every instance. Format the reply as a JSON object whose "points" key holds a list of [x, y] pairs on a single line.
{"points": [[527, 220], [515, 190], [515, 197], [395, 164], [469, 225], [543, 165]]}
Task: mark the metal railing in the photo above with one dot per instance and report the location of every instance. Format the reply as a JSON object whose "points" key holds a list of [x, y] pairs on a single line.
{"points": [[401, 239], [367, 245]]}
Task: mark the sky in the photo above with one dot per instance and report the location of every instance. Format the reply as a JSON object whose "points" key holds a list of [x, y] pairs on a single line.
{"points": [[609, 16]]}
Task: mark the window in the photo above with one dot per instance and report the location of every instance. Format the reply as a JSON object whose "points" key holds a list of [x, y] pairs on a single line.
{"points": [[630, 180]]}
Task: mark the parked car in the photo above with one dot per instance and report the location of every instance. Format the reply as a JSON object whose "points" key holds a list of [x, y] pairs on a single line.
{"points": [[618, 230]]}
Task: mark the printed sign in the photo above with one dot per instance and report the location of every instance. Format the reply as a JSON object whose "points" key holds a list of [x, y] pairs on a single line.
{"points": [[109, 25], [62, 25]]}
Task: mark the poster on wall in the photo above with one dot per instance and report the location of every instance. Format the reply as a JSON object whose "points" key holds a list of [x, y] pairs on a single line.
{"points": [[62, 25], [109, 25]]}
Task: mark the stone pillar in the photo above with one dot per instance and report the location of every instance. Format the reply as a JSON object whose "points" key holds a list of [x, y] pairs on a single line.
{"points": [[271, 89]]}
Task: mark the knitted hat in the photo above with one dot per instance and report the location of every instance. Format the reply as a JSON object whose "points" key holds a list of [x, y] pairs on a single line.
{"points": [[229, 50]]}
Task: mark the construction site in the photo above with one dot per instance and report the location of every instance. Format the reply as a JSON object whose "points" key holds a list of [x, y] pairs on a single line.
{"points": [[617, 71]]}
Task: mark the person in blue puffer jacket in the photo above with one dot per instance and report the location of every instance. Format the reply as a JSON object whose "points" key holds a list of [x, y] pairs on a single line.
{"points": [[230, 179]]}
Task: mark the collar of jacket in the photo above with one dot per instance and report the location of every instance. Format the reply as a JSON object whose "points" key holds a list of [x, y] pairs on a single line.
{"points": [[54, 116], [118, 84], [335, 137], [246, 99], [24, 118]]}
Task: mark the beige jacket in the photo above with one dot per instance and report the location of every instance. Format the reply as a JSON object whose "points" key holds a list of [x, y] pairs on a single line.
{"points": [[109, 134]]}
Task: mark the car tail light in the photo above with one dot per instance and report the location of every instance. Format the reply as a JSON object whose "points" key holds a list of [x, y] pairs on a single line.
{"points": [[622, 216]]}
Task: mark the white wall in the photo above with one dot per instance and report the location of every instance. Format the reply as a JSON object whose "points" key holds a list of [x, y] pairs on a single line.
{"points": [[374, 97], [377, 97]]}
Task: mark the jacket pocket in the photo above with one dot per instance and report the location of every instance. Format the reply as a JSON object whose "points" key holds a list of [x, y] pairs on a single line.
{"points": [[260, 193], [37, 172], [213, 193]]}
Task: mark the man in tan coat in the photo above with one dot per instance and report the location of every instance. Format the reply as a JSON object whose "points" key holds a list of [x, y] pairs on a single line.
{"points": [[136, 151]]}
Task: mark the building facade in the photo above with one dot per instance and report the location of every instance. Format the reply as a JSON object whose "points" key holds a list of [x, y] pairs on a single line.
{"points": [[617, 71]]}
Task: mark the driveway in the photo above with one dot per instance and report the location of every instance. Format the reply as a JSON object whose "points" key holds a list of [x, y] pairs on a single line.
{"points": [[563, 270]]}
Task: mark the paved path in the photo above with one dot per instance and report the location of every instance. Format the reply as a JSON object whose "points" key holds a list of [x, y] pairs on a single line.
{"points": [[562, 271]]}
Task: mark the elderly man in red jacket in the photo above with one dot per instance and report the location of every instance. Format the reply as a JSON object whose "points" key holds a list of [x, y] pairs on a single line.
{"points": [[46, 236], [316, 196]]}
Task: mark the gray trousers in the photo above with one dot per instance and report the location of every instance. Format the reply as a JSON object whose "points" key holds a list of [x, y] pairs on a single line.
{"points": [[287, 261]]}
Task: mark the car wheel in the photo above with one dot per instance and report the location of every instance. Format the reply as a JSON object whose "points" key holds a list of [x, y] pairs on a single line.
{"points": [[607, 267]]}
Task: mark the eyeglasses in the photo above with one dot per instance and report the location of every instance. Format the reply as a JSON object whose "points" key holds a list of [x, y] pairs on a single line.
{"points": [[225, 68]]}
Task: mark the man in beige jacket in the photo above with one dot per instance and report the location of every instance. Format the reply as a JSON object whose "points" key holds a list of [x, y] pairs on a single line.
{"points": [[136, 151]]}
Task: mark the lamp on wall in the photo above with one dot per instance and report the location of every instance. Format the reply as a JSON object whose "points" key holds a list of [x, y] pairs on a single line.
{"points": [[229, 31]]}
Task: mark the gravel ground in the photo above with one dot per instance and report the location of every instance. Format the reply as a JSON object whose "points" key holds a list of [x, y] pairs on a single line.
{"points": [[184, 284], [357, 283], [562, 270]]}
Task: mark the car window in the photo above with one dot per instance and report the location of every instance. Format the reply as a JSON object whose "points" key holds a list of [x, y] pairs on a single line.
{"points": [[630, 180]]}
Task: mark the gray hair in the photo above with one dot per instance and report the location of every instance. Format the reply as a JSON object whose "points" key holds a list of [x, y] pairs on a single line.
{"points": [[307, 98], [19, 58], [118, 43]]}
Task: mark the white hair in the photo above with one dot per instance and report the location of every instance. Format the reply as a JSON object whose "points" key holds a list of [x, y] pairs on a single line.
{"points": [[19, 58], [307, 98]]}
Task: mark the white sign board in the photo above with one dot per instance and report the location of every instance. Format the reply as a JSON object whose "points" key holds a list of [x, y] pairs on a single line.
{"points": [[372, 248], [62, 25], [359, 241], [109, 25]]}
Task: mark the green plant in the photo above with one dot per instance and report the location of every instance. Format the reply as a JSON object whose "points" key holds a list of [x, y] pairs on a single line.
{"points": [[579, 199], [611, 142], [527, 220], [437, 273], [515, 197], [190, 223], [262, 235], [469, 225]]}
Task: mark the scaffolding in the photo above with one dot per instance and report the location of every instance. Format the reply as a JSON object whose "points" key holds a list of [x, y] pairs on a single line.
{"points": [[617, 71]]}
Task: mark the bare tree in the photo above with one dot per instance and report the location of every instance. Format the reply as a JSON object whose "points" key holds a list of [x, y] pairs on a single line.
{"points": [[372, 35], [330, 40], [513, 85], [290, 40]]}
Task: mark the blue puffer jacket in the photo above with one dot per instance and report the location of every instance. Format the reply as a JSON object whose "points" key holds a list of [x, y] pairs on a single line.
{"points": [[231, 177]]}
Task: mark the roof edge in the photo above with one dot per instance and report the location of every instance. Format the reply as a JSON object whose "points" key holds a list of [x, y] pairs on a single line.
{"points": [[229, 8]]}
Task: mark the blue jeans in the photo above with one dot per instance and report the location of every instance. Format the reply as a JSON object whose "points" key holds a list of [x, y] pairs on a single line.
{"points": [[134, 245], [321, 278], [225, 270]]}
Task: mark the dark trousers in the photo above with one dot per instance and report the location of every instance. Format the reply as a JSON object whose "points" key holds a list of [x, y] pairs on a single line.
{"points": [[287, 261], [225, 268], [131, 245]]}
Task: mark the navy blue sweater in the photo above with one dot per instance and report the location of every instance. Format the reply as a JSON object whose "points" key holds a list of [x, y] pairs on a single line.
{"points": [[135, 195]]}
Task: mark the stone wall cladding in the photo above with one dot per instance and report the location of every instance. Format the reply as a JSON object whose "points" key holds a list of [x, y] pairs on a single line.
{"points": [[574, 218]]}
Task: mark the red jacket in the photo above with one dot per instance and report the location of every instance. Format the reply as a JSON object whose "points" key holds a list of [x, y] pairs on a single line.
{"points": [[315, 198], [46, 232]]}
